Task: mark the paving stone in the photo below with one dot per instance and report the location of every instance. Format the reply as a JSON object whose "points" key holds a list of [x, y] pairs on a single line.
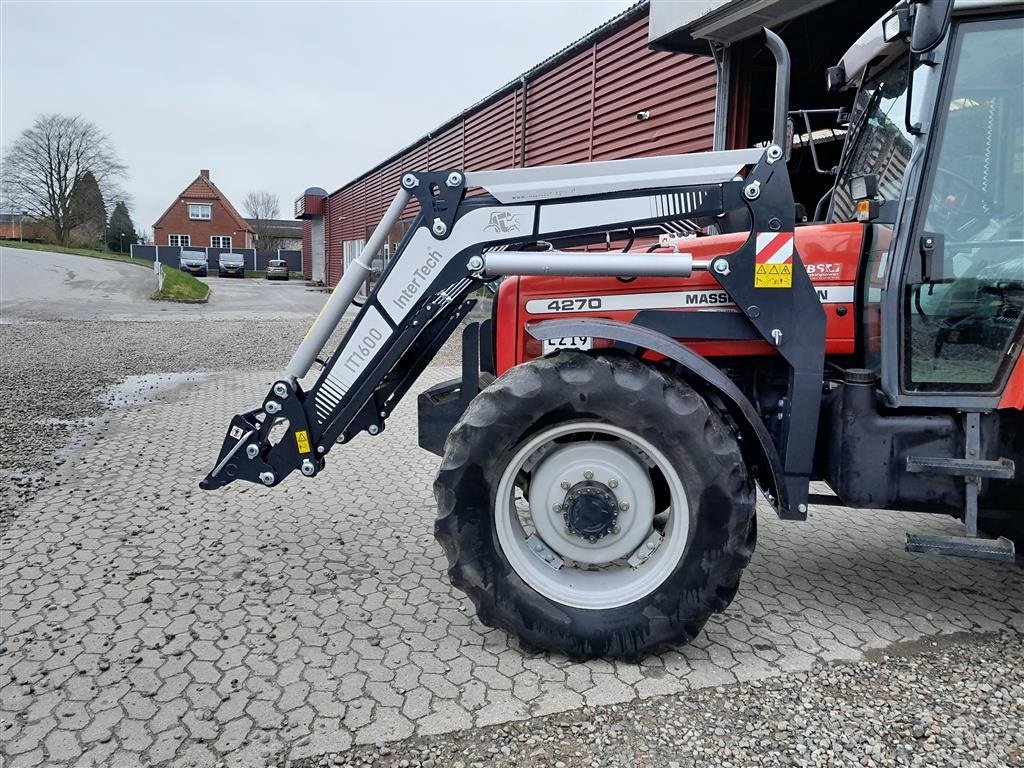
{"points": [[321, 610]]}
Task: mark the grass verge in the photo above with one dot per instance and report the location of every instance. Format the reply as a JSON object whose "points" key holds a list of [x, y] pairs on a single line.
{"points": [[181, 286], [261, 274], [178, 285]]}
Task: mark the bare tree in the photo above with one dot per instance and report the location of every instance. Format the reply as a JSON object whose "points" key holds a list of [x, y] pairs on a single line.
{"points": [[42, 166], [263, 207]]}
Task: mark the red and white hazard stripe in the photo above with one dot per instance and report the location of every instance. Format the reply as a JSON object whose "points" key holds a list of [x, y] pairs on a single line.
{"points": [[774, 247]]}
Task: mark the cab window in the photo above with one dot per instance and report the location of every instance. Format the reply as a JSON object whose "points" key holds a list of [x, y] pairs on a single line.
{"points": [[962, 321]]}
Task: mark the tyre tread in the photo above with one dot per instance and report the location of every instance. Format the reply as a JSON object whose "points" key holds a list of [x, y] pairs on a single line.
{"points": [[670, 616]]}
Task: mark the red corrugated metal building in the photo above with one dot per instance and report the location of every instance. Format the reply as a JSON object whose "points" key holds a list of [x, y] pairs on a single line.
{"points": [[579, 105], [607, 96]]}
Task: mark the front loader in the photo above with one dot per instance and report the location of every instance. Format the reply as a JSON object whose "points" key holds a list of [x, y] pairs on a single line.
{"points": [[616, 416]]}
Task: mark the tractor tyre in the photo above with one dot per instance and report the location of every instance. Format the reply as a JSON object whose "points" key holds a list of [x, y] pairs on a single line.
{"points": [[594, 505]]}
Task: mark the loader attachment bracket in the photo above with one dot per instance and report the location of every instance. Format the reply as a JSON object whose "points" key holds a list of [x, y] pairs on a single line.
{"points": [[266, 444]]}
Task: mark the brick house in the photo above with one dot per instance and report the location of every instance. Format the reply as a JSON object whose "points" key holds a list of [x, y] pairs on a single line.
{"points": [[11, 227], [203, 217]]}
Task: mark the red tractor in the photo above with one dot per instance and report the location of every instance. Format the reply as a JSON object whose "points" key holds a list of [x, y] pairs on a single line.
{"points": [[615, 418]]}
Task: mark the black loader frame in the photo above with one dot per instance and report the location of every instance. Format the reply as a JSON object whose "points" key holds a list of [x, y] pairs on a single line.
{"points": [[422, 297]]}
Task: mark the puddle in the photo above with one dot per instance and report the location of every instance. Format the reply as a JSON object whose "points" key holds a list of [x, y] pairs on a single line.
{"points": [[143, 390]]}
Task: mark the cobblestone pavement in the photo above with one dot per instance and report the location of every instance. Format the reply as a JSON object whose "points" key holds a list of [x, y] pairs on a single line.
{"points": [[146, 622]]}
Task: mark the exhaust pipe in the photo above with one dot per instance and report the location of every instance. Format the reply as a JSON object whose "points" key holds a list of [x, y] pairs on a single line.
{"points": [[781, 53]]}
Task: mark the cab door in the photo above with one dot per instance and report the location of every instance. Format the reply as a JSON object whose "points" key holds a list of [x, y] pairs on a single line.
{"points": [[962, 286]]}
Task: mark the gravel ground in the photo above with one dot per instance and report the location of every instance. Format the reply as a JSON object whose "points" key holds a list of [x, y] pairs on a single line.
{"points": [[956, 702], [52, 375], [951, 702]]}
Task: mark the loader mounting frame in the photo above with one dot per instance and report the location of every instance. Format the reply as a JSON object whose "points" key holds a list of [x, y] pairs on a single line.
{"points": [[459, 242]]}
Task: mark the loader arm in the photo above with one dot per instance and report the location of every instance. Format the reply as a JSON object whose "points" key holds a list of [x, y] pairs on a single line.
{"points": [[457, 243]]}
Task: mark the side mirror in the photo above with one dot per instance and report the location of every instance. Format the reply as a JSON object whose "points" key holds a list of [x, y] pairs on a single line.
{"points": [[931, 19]]}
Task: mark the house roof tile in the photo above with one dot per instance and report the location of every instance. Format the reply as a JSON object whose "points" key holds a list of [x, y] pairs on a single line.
{"points": [[202, 188]]}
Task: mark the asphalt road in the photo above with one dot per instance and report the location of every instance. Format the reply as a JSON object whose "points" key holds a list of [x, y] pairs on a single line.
{"points": [[254, 298], [44, 285], [41, 285]]}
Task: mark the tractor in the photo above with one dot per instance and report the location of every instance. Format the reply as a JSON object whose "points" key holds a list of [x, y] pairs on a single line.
{"points": [[618, 414]]}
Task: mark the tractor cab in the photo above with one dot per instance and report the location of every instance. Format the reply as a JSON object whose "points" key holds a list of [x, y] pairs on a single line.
{"points": [[933, 165], [934, 162]]}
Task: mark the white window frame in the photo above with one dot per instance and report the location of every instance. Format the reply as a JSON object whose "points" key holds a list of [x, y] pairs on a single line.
{"points": [[207, 206], [223, 240], [179, 241]]}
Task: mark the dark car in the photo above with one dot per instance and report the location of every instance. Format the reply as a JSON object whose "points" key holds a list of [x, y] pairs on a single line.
{"points": [[277, 269], [194, 262], [231, 264]]}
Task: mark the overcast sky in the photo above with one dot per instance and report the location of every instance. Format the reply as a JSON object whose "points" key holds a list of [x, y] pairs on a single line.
{"points": [[272, 95]]}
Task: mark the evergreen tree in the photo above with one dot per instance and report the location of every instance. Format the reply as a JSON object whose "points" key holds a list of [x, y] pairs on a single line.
{"points": [[121, 223], [86, 211]]}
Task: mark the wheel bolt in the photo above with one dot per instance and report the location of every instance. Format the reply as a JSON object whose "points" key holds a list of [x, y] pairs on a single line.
{"points": [[615, 529], [613, 483], [565, 485], [557, 508], [624, 506], [588, 475]]}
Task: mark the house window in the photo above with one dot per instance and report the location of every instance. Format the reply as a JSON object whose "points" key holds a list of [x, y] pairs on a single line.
{"points": [[220, 241], [183, 240], [198, 211]]}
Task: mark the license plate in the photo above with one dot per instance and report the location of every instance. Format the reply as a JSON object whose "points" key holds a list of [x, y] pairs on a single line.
{"points": [[567, 342]]}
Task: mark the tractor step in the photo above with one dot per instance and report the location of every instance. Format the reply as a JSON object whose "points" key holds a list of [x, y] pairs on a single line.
{"points": [[1000, 550], [998, 469]]}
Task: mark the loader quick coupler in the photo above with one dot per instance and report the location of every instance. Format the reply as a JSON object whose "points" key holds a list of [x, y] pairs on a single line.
{"points": [[248, 453]]}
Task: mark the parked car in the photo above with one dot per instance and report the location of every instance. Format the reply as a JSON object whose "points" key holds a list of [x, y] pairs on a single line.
{"points": [[231, 264], [277, 269], [194, 262]]}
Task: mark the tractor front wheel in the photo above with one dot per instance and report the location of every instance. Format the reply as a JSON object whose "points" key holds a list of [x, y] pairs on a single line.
{"points": [[594, 505]]}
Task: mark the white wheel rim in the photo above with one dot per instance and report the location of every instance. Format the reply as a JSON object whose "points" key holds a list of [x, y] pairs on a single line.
{"points": [[526, 540]]}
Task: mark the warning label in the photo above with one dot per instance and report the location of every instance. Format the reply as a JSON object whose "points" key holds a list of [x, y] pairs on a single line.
{"points": [[773, 276], [302, 440], [774, 260]]}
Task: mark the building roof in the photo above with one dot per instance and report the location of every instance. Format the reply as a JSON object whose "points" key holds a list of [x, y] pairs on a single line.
{"points": [[278, 227], [612, 25], [202, 188]]}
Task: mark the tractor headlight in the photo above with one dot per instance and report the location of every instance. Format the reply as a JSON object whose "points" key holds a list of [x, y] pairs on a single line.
{"points": [[864, 190], [864, 187], [897, 26]]}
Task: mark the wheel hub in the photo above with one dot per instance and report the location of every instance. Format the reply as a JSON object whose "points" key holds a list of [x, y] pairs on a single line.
{"points": [[624, 564], [590, 510], [591, 502]]}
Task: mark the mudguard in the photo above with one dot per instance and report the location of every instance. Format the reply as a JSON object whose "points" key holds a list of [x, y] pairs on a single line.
{"points": [[758, 448]]}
